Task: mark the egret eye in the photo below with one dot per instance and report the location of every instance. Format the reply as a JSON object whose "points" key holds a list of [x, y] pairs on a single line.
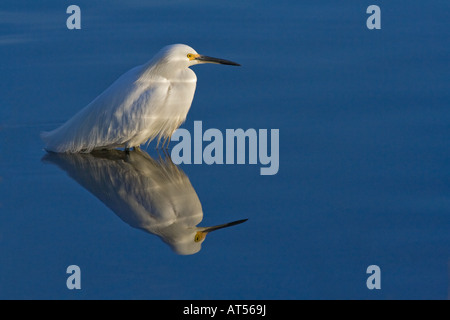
{"points": [[190, 56]]}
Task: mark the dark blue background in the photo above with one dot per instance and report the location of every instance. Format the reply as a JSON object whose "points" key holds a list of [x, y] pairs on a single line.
{"points": [[364, 160]]}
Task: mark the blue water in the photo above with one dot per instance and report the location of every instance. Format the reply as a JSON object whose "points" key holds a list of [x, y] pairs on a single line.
{"points": [[364, 175]]}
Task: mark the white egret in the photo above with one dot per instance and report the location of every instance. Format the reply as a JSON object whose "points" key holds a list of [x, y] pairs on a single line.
{"points": [[148, 101], [155, 196]]}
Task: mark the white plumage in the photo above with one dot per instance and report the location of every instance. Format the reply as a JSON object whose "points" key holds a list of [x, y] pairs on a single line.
{"points": [[149, 101]]}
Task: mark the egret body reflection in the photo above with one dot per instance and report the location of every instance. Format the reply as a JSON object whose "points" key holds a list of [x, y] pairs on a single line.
{"points": [[155, 196]]}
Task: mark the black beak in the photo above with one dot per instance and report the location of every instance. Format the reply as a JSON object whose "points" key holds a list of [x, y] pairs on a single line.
{"points": [[207, 59], [225, 225]]}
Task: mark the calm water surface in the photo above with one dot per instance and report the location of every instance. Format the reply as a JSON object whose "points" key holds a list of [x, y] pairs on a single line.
{"points": [[364, 158]]}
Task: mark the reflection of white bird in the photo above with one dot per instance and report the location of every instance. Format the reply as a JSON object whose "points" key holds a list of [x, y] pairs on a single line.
{"points": [[149, 101], [154, 196]]}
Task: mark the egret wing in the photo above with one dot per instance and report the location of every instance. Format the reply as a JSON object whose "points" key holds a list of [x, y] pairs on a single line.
{"points": [[113, 118]]}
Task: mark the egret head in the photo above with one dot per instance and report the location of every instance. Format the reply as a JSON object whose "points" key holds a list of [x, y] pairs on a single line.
{"points": [[184, 56], [203, 231], [189, 240]]}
